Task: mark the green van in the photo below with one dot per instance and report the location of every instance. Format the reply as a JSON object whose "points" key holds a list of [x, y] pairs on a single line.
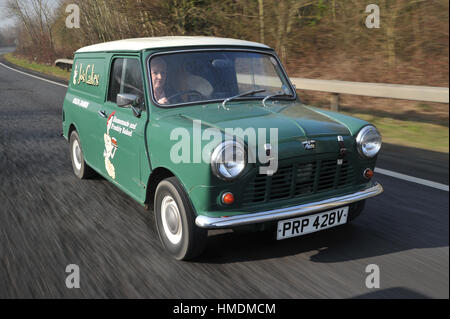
{"points": [[209, 133]]}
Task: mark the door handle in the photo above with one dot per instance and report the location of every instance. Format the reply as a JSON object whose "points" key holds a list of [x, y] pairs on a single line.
{"points": [[103, 114]]}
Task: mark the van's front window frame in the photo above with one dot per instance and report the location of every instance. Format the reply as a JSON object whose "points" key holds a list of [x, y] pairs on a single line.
{"points": [[269, 53], [143, 105]]}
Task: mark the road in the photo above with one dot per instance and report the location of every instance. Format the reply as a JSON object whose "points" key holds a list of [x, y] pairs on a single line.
{"points": [[49, 219]]}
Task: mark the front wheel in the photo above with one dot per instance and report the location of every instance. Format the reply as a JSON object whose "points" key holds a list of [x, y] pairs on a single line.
{"points": [[175, 221]]}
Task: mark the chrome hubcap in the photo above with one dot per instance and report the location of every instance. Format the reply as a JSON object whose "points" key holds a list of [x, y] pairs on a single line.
{"points": [[171, 220], [76, 153]]}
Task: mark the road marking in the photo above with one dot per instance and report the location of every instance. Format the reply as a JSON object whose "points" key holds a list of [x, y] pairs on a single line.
{"points": [[378, 170], [33, 76], [412, 179]]}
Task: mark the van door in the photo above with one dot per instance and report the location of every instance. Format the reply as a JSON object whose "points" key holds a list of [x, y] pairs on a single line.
{"points": [[124, 142]]}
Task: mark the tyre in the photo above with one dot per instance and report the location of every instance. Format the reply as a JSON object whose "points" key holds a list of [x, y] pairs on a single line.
{"points": [[356, 209], [80, 168], [175, 221]]}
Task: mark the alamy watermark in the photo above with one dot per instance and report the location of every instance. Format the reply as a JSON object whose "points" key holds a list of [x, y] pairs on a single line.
{"points": [[198, 145], [73, 19], [373, 19], [373, 279], [73, 279]]}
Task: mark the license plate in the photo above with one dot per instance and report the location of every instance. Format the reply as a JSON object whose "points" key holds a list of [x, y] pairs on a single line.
{"points": [[309, 224]]}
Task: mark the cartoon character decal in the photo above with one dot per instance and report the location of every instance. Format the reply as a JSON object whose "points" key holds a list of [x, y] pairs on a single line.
{"points": [[110, 148]]}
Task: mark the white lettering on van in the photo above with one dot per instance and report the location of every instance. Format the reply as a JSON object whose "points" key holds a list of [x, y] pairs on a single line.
{"points": [[123, 127], [121, 122], [127, 132], [116, 128], [80, 103]]}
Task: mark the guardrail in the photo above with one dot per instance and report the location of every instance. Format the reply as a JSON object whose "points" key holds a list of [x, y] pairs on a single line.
{"points": [[391, 91], [382, 90], [64, 64]]}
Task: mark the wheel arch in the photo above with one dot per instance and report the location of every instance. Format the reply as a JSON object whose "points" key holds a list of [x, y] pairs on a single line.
{"points": [[72, 128], [159, 174]]}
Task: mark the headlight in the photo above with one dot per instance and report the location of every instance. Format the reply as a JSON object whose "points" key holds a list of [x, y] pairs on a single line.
{"points": [[228, 160], [368, 141]]}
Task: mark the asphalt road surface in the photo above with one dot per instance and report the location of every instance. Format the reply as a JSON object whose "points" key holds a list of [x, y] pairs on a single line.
{"points": [[49, 219]]}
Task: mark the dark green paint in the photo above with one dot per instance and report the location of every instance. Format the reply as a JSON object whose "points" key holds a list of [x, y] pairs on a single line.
{"points": [[149, 147]]}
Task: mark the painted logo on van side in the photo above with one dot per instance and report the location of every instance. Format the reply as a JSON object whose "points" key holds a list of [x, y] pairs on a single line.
{"points": [[110, 148], [87, 75], [115, 125]]}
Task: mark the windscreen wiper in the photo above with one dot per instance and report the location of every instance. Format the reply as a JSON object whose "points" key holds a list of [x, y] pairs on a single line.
{"points": [[240, 95], [272, 96]]}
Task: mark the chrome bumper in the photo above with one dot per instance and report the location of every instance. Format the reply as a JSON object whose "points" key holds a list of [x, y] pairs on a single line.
{"points": [[289, 212]]}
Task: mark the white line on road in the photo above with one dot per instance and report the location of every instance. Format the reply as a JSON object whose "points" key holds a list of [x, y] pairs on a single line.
{"points": [[378, 170], [412, 179], [33, 76]]}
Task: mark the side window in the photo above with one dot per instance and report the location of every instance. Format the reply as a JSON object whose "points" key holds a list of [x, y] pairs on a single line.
{"points": [[126, 77]]}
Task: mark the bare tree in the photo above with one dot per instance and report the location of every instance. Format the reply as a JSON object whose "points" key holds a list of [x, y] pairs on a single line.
{"points": [[36, 19]]}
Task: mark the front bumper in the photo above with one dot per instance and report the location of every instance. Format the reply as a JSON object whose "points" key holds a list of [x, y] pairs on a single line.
{"points": [[289, 212]]}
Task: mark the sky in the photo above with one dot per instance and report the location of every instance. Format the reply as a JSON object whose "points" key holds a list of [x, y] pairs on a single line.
{"points": [[5, 22]]}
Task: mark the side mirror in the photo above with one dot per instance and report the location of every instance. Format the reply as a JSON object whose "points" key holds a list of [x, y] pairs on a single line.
{"points": [[125, 100], [129, 100]]}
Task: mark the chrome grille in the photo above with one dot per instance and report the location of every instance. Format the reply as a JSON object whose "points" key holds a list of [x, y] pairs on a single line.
{"points": [[281, 184], [298, 180]]}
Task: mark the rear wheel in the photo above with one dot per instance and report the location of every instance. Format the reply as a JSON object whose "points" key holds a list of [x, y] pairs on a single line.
{"points": [[175, 221], [80, 168]]}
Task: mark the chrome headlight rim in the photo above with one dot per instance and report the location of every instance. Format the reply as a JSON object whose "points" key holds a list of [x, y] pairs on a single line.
{"points": [[360, 141], [217, 154]]}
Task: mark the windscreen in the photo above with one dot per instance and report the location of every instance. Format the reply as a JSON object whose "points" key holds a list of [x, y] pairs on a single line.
{"points": [[190, 77]]}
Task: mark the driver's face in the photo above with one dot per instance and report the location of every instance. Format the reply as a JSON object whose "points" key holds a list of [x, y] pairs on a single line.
{"points": [[158, 75]]}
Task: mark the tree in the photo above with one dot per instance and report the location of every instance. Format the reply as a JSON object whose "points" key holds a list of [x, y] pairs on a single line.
{"points": [[35, 18]]}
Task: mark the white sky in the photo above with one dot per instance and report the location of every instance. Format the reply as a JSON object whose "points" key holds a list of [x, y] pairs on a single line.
{"points": [[4, 21]]}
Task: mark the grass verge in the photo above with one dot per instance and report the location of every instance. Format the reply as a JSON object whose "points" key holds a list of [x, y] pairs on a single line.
{"points": [[46, 69], [427, 136]]}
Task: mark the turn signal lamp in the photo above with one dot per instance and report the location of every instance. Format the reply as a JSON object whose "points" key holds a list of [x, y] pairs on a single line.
{"points": [[228, 198], [368, 173]]}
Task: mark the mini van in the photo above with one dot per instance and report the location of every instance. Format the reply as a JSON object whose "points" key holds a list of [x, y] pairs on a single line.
{"points": [[209, 133]]}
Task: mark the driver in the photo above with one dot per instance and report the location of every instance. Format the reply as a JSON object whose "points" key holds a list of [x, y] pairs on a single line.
{"points": [[159, 74], [185, 83]]}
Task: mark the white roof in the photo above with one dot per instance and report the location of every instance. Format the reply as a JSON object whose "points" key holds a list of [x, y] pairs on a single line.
{"points": [[139, 44]]}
